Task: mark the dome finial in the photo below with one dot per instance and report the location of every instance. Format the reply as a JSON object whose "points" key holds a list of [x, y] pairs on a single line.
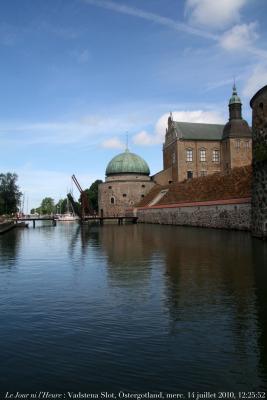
{"points": [[234, 99], [127, 147], [234, 88]]}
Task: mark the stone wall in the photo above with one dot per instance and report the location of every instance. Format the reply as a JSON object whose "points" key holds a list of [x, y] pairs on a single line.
{"points": [[163, 177], [197, 167], [259, 163], [225, 214], [115, 196]]}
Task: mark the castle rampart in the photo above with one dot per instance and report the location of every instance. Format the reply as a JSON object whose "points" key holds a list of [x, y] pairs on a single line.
{"points": [[259, 165]]}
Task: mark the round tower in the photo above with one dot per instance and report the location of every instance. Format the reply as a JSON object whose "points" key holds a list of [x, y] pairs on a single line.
{"points": [[258, 104], [127, 182]]}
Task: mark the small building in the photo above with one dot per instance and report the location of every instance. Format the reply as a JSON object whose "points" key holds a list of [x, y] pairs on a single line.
{"points": [[127, 182], [191, 150]]}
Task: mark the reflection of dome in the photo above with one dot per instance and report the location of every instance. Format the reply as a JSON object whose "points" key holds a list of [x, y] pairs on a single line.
{"points": [[127, 163]]}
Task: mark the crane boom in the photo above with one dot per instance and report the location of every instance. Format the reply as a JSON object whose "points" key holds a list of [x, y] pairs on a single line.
{"points": [[77, 183], [86, 209]]}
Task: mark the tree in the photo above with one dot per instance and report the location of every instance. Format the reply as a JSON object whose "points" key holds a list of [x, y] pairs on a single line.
{"points": [[9, 193], [92, 194], [47, 206]]}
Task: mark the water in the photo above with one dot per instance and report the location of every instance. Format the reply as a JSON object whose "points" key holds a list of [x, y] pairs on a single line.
{"points": [[133, 308]]}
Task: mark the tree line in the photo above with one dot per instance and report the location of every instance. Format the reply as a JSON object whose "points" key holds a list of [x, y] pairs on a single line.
{"points": [[10, 194], [49, 206], [10, 198]]}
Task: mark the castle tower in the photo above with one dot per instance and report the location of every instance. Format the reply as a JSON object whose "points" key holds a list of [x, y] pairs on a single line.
{"points": [[258, 104], [127, 182], [236, 139]]}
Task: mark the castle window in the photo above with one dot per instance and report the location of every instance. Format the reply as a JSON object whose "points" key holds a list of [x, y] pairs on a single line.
{"points": [[124, 195], [247, 144], [203, 173], [189, 155], [216, 156], [142, 195], [202, 153], [189, 174], [110, 187], [112, 200], [143, 186], [237, 143]]}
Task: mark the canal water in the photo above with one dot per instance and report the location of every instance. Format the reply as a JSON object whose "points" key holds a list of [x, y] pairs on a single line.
{"points": [[134, 308]]}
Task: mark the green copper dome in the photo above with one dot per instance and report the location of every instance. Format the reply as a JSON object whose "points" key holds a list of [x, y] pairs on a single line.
{"points": [[127, 163], [235, 98]]}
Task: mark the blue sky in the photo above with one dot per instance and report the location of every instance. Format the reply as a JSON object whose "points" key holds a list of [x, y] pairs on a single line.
{"points": [[77, 75]]}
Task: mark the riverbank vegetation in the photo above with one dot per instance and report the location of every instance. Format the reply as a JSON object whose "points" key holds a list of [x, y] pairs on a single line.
{"points": [[49, 206], [10, 194]]}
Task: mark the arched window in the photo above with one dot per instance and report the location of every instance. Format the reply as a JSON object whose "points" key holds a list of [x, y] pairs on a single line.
{"points": [[189, 155], [112, 200], [216, 156], [202, 155]]}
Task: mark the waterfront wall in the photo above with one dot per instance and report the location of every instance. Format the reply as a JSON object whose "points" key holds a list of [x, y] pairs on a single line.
{"points": [[224, 214]]}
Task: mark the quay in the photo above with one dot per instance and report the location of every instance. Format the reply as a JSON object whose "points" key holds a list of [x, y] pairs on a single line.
{"points": [[88, 218], [34, 219], [120, 219]]}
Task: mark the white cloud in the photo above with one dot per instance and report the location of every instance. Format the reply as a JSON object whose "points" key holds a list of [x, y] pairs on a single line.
{"points": [[144, 138], [113, 143], [214, 13], [256, 81], [239, 37]]}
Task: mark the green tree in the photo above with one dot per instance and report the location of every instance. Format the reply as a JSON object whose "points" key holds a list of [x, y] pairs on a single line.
{"points": [[61, 206], [47, 205], [9, 193], [92, 194]]}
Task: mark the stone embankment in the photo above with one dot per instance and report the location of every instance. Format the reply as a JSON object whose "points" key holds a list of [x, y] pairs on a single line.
{"points": [[224, 214], [215, 201]]}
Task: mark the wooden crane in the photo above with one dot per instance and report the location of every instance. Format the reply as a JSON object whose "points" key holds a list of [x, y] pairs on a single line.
{"points": [[85, 206]]}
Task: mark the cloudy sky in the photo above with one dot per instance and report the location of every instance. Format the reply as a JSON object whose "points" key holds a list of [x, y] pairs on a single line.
{"points": [[77, 76]]}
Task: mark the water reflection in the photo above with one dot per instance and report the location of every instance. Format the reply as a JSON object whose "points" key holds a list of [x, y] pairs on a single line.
{"points": [[129, 250], [134, 307], [260, 272], [9, 248]]}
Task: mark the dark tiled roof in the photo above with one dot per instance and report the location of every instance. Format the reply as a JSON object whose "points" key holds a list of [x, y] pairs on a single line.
{"points": [[197, 131]]}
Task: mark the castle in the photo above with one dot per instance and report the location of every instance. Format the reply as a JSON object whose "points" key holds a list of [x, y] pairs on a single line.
{"points": [[190, 150]]}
